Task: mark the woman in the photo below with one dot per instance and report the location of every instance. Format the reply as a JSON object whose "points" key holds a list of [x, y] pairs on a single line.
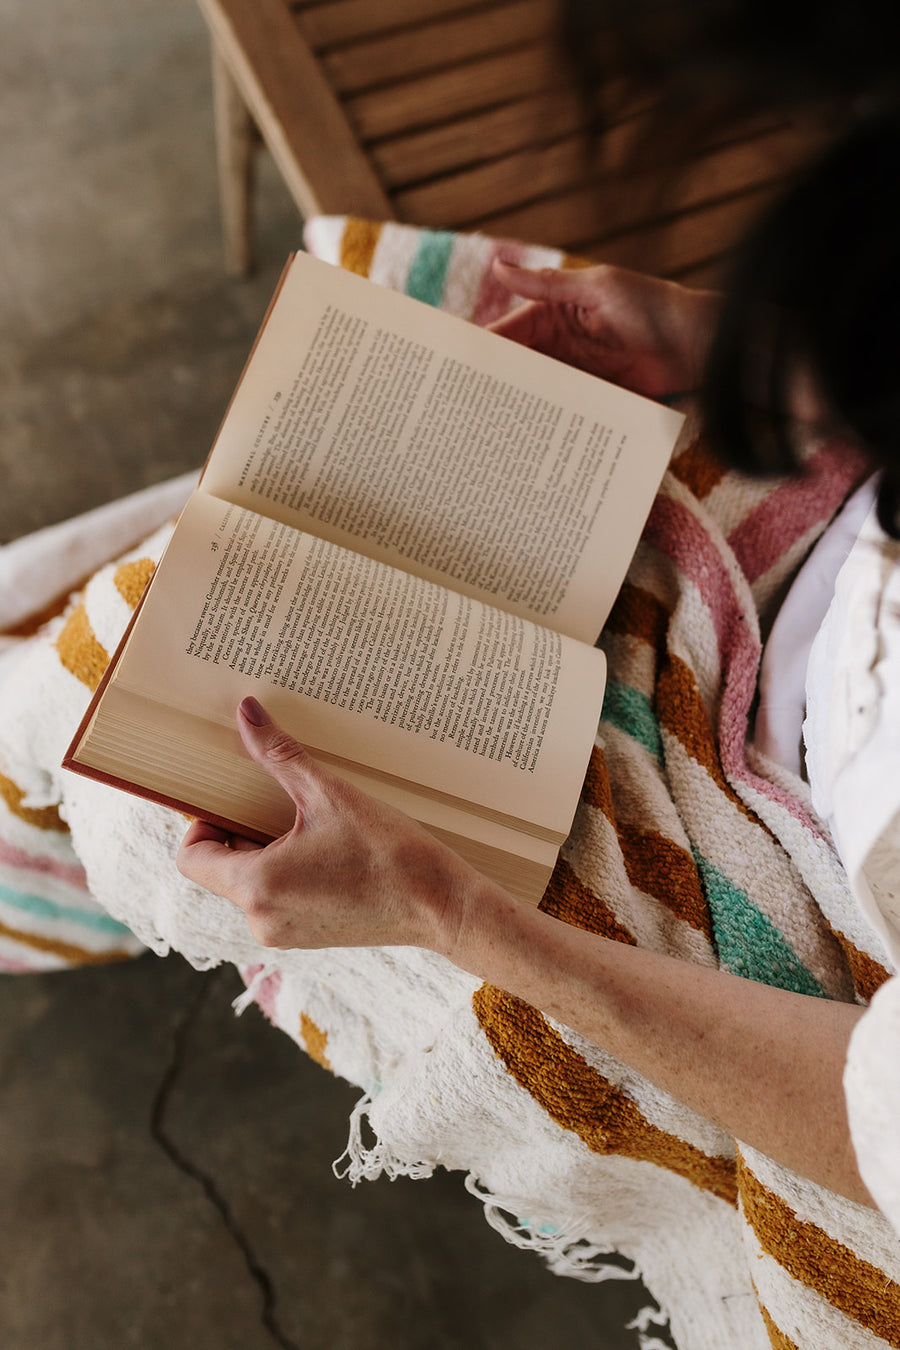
{"points": [[803, 340]]}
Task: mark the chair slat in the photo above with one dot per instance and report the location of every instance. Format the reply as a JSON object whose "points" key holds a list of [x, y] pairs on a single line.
{"points": [[338, 21], [402, 161], [437, 46], [458, 198], [457, 92]]}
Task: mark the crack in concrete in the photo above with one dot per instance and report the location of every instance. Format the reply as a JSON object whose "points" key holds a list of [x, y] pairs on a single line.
{"points": [[204, 1180]]}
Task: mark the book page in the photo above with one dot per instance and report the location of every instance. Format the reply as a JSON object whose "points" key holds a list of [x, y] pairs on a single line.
{"points": [[367, 664], [381, 424]]}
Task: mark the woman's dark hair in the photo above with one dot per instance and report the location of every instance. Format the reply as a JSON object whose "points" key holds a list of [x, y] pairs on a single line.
{"points": [[815, 287], [767, 54]]}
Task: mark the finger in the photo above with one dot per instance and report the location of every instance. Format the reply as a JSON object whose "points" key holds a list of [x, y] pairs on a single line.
{"points": [[276, 751], [205, 858], [551, 284], [204, 829], [527, 324], [238, 843]]}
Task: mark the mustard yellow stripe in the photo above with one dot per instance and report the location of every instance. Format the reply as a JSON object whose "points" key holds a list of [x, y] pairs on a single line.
{"points": [[596, 791], [66, 951], [639, 614], [41, 817], [358, 244], [868, 975], [569, 899], [132, 579], [79, 651], [776, 1336], [855, 1287], [33, 622], [698, 469], [680, 709], [653, 864], [578, 1098], [315, 1040], [661, 868]]}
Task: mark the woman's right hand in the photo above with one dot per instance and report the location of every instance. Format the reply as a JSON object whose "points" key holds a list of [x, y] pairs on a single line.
{"points": [[640, 332], [352, 872]]}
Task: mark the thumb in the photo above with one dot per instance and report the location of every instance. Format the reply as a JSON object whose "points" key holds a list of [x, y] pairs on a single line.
{"points": [[540, 283], [276, 750]]}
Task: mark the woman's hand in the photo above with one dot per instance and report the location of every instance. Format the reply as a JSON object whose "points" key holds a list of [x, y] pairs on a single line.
{"points": [[640, 332], [351, 872]]}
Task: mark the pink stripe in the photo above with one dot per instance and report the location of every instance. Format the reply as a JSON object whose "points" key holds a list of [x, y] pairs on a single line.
{"points": [[266, 993], [10, 967], [790, 511], [676, 532], [737, 697], [494, 299], [72, 873], [780, 797]]}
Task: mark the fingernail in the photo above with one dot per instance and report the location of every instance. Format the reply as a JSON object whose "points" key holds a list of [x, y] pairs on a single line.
{"points": [[254, 712]]}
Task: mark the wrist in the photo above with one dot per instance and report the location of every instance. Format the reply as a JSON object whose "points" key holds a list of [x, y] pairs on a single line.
{"points": [[486, 930], [430, 887]]}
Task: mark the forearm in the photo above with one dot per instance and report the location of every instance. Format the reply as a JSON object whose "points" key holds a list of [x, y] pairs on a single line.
{"points": [[764, 1064]]}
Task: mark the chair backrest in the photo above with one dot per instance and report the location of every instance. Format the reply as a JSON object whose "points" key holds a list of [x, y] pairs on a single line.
{"points": [[460, 114]]}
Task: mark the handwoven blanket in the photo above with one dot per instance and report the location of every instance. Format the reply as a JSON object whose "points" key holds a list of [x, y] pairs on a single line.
{"points": [[686, 841]]}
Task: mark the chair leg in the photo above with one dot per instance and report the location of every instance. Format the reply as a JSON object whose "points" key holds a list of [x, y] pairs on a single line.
{"points": [[235, 145]]}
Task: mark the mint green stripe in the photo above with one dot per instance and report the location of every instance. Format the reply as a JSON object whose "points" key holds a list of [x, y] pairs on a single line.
{"points": [[428, 272], [632, 712], [747, 941], [42, 908]]}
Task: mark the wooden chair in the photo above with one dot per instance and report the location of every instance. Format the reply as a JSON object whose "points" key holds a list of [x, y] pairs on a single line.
{"points": [[459, 114]]}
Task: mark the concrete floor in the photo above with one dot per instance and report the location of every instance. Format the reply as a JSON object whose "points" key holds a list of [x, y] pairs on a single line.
{"points": [[165, 1169]]}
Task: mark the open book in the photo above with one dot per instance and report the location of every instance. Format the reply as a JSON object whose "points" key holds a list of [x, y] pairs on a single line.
{"points": [[406, 540]]}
